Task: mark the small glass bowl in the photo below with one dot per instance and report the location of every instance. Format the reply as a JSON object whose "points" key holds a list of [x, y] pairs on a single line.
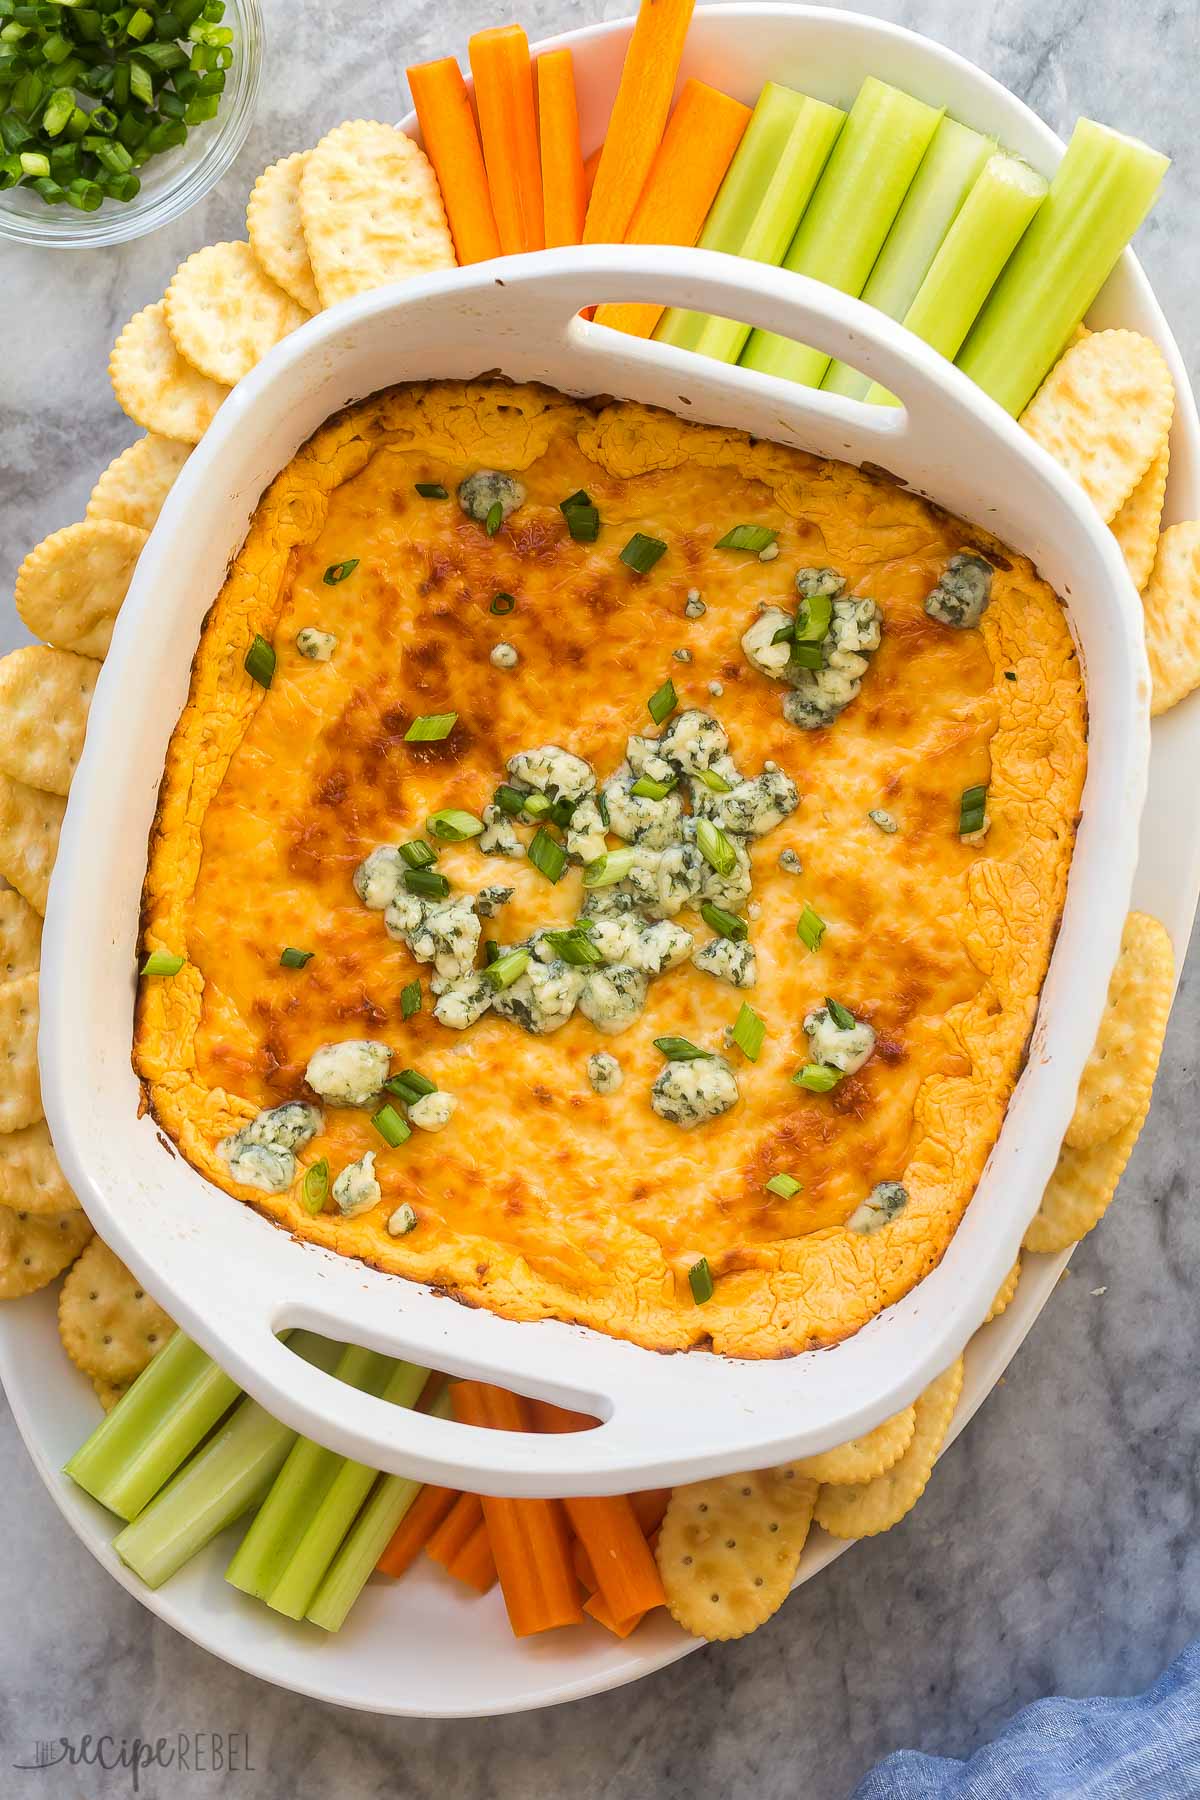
{"points": [[171, 182]]}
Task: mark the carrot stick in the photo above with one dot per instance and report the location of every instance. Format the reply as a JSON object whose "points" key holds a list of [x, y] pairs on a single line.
{"points": [[626, 1573], [697, 148], [564, 191], [508, 127], [452, 145], [583, 1566], [590, 165], [598, 1608], [415, 1529], [465, 1516], [548, 1417], [638, 116], [475, 1563], [650, 1507], [529, 1538]]}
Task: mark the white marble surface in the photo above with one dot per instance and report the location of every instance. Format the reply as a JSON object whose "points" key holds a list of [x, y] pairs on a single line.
{"points": [[1057, 1548]]}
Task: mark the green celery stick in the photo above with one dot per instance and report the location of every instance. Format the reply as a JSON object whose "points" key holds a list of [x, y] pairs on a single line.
{"points": [[762, 199], [866, 178], [296, 1588], [223, 1480], [1103, 189], [995, 216], [301, 1485], [948, 170], [137, 1447], [369, 1538]]}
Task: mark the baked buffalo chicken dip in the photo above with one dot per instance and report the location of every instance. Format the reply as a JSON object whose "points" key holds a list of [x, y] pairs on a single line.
{"points": [[606, 866]]}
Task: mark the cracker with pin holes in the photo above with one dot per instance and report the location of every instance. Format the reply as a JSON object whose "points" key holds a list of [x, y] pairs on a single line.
{"points": [[30, 822], [154, 385], [1004, 1293], [20, 936], [20, 1086], [276, 234], [372, 211], [1079, 1192], [1135, 527], [135, 484], [225, 313], [1171, 604], [861, 1459], [1103, 413], [44, 699], [109, 1325], [867, 1508], [35, 1247], [729, 1548], [109, 1392], [30, 1177], [1119, 1073], [70, 587]]}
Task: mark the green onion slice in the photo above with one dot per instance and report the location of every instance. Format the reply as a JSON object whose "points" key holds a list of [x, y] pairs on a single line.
{"points": [[813, 617], [647, 788], [294, 959], [583, 519], [841, 1015], [715, 847], [161, 962], [612, 866], [662, 702], [431, 728], [495, 518], [418, 854], [749, 1031], [502, 604], [810, 928], [746, 537], [427, 883], [680, 1049], [452, 825], [818, 1078], [410, 1086], [716, 784], [641, 552], [783, 1185], [510, 800], [537, 806], [972, 810], [547, 854], [410, 999], [575, 945], [391, 1127], [507, 969], [432, 490], [700, 1281], [316, 1186], [260, 661], [725, 924], [338, 571]]}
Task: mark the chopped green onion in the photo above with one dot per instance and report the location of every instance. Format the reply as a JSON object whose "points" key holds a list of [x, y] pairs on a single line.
{"points": [[716, 784], [841, 1015], [391, 1127], [453, 825], [432, 490], [972, 810], [612, 866], [562, 812], [410, 999], [502, 604], [726, 924], [810, 928], [537, 806], [510, 800], [680, 1049], [294, 959], [33, 162], [662, 702], [427, 883], [641, 552], [749, 1031], [507, 969], [410, 1086], [700, 1281], [783, 1185], [814, 614], [547, 854], [316, 1186], [746, 537], [575, 946], [260, 661], [715, 847], [431, 728], [647, 788], [161, 962], [495, 518], [418, 854], [338, 571], [818, 1078], [583, 519]]}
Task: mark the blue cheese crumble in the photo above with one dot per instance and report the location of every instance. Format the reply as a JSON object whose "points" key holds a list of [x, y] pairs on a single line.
{"points": [[350, 1073], [844, 1047], [604, 1072], [356, 1190], [262, 1154], [315, 644], [962, 592], [487, 488], [689, 1093], [885, 1202]]}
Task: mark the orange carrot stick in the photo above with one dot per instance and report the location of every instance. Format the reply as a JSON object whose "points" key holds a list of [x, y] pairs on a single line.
{"points": [[415, 1528], [590, 165], [564, 191], [452, 145], [465, 1516], [597, 1607], [583, 1566], [529, 1538], [638, 116], [475, 1563], [508, 127], [650, 1506], [548, 1417], [697, 148], [626, 1573]]}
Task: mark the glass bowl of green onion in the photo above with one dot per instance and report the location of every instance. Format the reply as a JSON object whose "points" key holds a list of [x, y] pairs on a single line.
{"points": [[117, 115]]}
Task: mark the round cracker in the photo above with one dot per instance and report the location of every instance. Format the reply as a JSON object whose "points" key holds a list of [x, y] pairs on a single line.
{"points": [[1104, 412], [1078, 1193], [44, 699], [865, 1509], [109, 1392], [109, 1325], [35, 1247], [30, 822], [225, 313], [153, 384], [729, 1548], [1004, 1293], [20, 1086], [372, 211], [1171, 603], [862, 1459], [20, 936], [1119, 1073], [276, 234], [30, 1178], [135, 484], [70, 587], [1135, 527]]}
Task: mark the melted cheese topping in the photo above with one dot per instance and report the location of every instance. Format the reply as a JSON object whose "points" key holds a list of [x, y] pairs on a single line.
{"points": [[542, 1198]]}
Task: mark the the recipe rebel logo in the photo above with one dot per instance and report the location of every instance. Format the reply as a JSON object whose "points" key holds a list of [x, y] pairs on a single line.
{"points": [[183, 1753]]}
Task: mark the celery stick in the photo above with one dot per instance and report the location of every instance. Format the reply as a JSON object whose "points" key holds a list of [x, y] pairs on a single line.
{"points": [[137, 1447], [296, 1588], [230, 1474], [947, 173], [369, 1538], [1103, 189], [979, 243], [301, 1485], [868, 174], [770, 182]]}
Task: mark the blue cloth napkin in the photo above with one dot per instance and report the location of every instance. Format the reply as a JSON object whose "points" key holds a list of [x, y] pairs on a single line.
{"points": [[1143, 1748]]}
